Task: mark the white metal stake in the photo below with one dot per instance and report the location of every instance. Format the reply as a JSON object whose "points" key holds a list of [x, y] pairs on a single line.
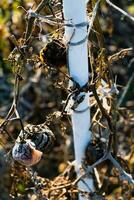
{"points": [[75, 13]]}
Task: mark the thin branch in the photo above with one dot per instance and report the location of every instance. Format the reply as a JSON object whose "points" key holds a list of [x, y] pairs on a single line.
{"points": [[102, 109], [42, 4], [13, 109], [31, 18], [123, 174], [119, 55], [125, 95], [120, 10], [88, 169], [107, 156], [94, 13]]}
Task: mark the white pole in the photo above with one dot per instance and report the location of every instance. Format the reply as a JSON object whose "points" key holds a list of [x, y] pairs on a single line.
{"points": [[75, 13]]}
